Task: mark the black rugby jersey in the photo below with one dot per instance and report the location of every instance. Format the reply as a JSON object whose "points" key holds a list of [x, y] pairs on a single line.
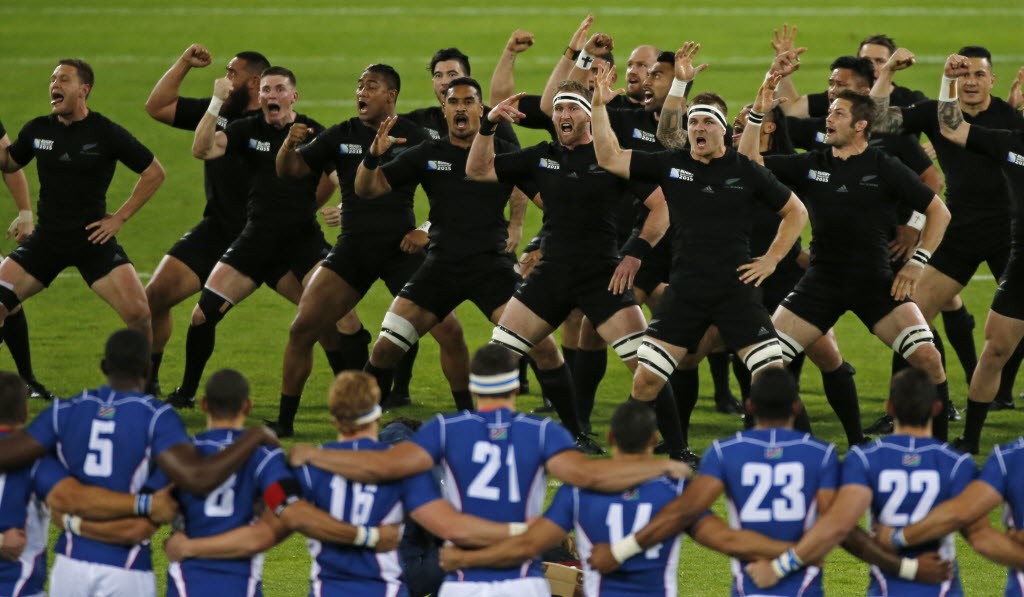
{"points": [[1007, 148], [435, 125]]}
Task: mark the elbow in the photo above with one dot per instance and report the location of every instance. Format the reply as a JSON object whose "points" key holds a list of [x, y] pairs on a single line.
{"points": [[156, 172], [199, 152], [61, 499], [142, 532]]}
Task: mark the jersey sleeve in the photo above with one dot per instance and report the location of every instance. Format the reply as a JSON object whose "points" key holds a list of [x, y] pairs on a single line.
{"points": [[46, 473], [962, 474], [517, 166], [829, 478], [994, 471], [556, 440], [769, 191], [21, 148], [406, 168], [562, 510], [905, 185], [305, 476], [789, 169], [43, 428], [855, 468], [237, 135], [817, 104], [129, 150], [419, 490], [157, 481], [645, 166], [430, 437], [505, 132], [168, 430], [188, 111], [271, 467], [912, 154], [994, 143], [920, 118], [535, 117], [711, 463]]}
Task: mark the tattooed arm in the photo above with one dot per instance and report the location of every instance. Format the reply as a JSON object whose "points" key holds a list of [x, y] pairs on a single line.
{"points": [[889, 120], [672, 122], [951, 119]]}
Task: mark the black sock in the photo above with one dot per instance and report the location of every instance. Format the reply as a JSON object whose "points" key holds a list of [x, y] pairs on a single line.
{"points": [[569, 354], [353, 350], [556, 384], [524, 367], [718, 362], [975, 420], [155, 359], [463, 400], [841, 393], [669, 422], [685, 387], [403, 372], [383, 376], [15, 334], [742, 375], [1007, 377], [287, 410], [940, 346], [940, 423], [796, 367], [590, 369], [198, 348], [959, 326]]}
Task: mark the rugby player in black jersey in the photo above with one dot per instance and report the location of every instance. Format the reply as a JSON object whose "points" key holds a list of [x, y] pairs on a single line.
{"points": [[282, 241], [580, 254], [77, 151], [976, 190], [1004, 327], [712, 193], [370, 244], [853, 193]]}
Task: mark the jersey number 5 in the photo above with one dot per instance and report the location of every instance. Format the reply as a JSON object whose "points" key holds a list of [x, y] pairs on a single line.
{"points": [[99, 462], [788, 477]]}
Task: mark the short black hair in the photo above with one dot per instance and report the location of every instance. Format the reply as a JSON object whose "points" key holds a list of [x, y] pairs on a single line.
{"points": [[879, 39], [666, 57], [711, 98], [82, 69], [781, 141], [389, 74], [976, 52], [445, 54], [912, 395], [609, 58], [493, 359], [13, 399], [469, 81], [773, 394], [127, 354], [633, 423], [279, 71], [861, 67], [226, 393], [255, 63], [861, 107]]}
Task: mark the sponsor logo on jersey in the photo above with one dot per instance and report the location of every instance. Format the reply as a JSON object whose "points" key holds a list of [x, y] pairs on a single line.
{"points": [[350, 149], [631, 495], [439, 166], [644, 136], [869, 181], [90, 149], [549, 164], [817, 175], [772, 453], [499, 433], [707, 189], [819, 137], [842, 189], [106, 412], [258, 145], [733, 183], [43, 144], [680, 174], [911, 460], [1016, 159]]}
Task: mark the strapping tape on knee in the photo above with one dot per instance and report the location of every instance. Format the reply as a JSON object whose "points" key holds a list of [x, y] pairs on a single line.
{"points": [[790, 347], [8, 298], [911, 338], [763, 354], [656, 359], [511, 340], [627, 346], [214, 306], [399, 330]]}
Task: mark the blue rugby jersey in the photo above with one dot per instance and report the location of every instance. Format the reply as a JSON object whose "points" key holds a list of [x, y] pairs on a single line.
{"points": [[1004, 471], [772, 478], [493, 464], [108, 439], [909, 476]]}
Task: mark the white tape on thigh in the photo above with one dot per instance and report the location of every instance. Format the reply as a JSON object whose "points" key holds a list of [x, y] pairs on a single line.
{"points": [[762, 355], [398, 329], [627, 346], [511, 340], [911, 338], [656, 359], [790, 347]]}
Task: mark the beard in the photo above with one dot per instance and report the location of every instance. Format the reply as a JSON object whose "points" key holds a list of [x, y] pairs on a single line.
{"points": [[236, 103]]}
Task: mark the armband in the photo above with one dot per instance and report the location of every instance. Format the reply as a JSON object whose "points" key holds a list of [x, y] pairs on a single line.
{"points": [[944, 94], [571, 54], [282, 494], [143, 503], [921, 257], [626, 548], [786, 563], [636, 247], [487, 127], [908, 568], [214, 107], [917, 221], [584, 60], [371, 161], [754, 118], [72, 524], [679, 88], [897, 539], [517, 528], [425, 227], [366, 537]]}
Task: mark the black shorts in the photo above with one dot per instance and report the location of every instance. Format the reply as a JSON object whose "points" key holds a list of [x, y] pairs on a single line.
{"points": [[822, 296], [46, 254], [440, 287], [267, 254], [779, 285], [655, 268], [556, 288], [965, 246], [687, 310], [1009, 298], [361, 261], [201, 247]]}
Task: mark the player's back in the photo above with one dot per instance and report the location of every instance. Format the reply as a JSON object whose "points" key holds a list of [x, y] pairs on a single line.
{"points": [[1004, 471], [908, 477], [607, 518], [771, 478], [493, 464]]}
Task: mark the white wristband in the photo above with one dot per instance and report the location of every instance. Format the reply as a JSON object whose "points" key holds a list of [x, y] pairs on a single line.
{"points": [[585, 60], [72, 523], [425, 227], [215, 104], [626, 548], [917, 221], [908, 568], [373, 536], [517, 528], [679, 88], [944, 95]]}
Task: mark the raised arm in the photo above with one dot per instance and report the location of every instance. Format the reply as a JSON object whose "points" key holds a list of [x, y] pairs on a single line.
{"points": [[565, 64], [209, 143], [598, 46], [610, 156], [399, 461], [163, 100], [541, 535], [503, 80], [194, 473], [889, 119], [750, 140], [149, 181], [794, 218], [784, 43], [608, 475], [672, 121], [370, 180], [444, 521], [289, 163], [951, 119], [480, 162]]}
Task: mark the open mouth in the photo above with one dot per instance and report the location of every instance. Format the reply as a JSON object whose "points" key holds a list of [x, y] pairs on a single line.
{"points": [[362, 106], [565, 127], [648, 96], [274, 108], [700, 143], [461, 121], [56, 98], [829, 131]]}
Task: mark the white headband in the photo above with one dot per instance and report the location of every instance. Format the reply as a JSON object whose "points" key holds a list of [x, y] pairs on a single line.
{"points": [[708, 109], [368, 417], [500, 383], [572, 98]]}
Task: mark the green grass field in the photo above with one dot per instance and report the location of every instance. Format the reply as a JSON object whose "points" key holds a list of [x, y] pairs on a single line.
{"points": [[131, 43]]}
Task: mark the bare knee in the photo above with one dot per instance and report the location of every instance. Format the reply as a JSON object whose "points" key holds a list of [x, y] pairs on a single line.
{"points": [[386, 353], [927, 359], [646, 384], [448, 333], [545, 354], [304, 330]]}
